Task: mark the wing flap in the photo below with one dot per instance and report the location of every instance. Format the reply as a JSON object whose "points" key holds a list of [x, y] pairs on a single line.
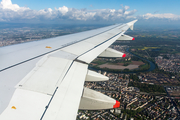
{"points": [[67, 97], [46, 75]]}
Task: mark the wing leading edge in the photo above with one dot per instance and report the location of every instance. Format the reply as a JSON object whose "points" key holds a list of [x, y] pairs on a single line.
{"points": [[48, 83]]}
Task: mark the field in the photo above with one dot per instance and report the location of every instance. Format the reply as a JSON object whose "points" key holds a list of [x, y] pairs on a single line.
{"points": [[145, 48], [119, 66]]}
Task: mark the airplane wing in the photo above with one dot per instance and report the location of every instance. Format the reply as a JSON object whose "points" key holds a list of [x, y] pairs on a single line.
{"points": [[45, 79]]}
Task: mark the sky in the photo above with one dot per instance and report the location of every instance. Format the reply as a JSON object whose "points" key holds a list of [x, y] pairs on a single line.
{"points": [[90, 11]]}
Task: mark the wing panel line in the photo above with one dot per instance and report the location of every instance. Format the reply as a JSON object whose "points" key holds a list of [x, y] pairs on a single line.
{"points": [[48, 104], [56, 49]]}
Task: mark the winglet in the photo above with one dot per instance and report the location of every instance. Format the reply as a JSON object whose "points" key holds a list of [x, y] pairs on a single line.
{"points": [[131, 24]]}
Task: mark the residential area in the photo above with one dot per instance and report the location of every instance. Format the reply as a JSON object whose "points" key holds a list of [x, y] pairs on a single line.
{"points": [[171, 63], [134, 104]]}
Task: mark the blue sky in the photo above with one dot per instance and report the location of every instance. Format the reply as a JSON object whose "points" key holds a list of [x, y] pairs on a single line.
{"points": [[143, 6], [105, 11]]}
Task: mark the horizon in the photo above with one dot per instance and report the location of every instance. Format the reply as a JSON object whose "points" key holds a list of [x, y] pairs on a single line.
{"points": [[138, 25]]}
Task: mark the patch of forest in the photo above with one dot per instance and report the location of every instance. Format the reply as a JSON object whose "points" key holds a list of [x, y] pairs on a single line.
{"points": [[147, 87]]}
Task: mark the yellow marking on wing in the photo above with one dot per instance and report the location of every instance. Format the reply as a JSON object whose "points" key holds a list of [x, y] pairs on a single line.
{"points": [[48, 47], [13, 107]]}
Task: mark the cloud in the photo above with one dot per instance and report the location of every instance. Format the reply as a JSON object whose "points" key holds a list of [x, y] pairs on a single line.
{"points": [[10, 12], [13, 12], [169, 16], [7, 5]]}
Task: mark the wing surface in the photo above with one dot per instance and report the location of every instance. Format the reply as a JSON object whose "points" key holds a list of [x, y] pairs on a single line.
{"points": [[44, 79]]}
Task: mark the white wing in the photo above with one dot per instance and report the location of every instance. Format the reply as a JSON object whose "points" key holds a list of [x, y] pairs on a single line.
{"points": [[44, 79]]}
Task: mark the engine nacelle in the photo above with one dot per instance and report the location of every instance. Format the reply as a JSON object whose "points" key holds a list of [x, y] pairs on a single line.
{"points": [[126, 37], [93, 100], [112, 53], [95, 77]]}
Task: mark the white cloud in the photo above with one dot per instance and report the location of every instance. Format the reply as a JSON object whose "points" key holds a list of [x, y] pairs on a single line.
{"points": [[126, 7], [7, 5], [63, 10], [169, 16], [13, 12]]}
